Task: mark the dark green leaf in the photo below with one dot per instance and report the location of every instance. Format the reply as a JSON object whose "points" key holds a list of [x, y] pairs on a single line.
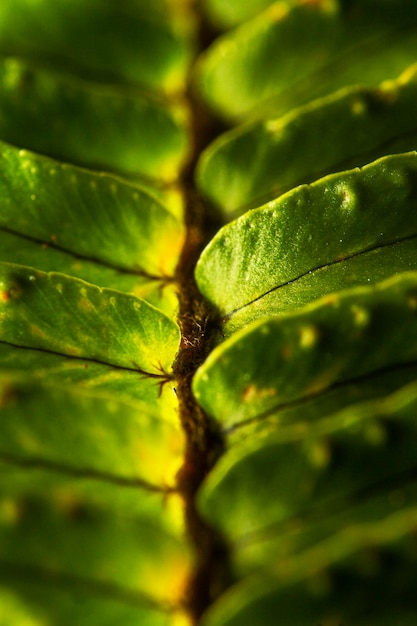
{"points": [[312, 472], [91, 125], [254, 164], [288, 56], [30, 602], [109, 41], [363, 575]]}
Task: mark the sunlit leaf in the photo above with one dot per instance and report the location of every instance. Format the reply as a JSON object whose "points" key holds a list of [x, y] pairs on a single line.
{"points": [[328, 222], [363, 269], [47, 257], [121, 384], [68, 316], [226, 14], [285, 358], [100, 548], [241, 455], [104, 436], [93, 216]]}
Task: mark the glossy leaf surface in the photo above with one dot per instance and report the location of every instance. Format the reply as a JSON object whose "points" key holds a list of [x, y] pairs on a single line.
{"points": [[88, 215], [311, 227], [67, 316], [285, 358], [285, 488]]}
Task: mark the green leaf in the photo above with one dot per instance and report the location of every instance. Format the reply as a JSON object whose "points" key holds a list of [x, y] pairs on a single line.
{"points": [[305, 523], [70, 371], [104, 436], [149, 475], [309, 471], [341, 580], [46, 257], [349, 128], [89, 124], [226, 13], [89, 215], [68, 316], [61, 34], [311, 227], [283, 359], [101, 546], [360, 270], [29, 603], [287, 56], [303, 415]]}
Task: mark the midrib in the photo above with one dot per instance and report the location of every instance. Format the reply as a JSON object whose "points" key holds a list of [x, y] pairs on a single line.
{"points": [[199, 326]]}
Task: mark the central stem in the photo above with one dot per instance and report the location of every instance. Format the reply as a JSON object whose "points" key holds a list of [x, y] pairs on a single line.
{"points": [[204, 443], [199, 328]]}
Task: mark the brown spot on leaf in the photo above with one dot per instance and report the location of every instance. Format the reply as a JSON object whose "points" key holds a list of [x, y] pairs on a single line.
{"points": [[251, 392], [287, 351], [8, 395], [13, 292]]}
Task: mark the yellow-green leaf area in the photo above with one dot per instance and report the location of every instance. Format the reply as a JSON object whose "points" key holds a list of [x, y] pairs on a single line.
{"points": [[101, 127], [94, 216], [256, 163], [130, 44], [109, 542], [287, 56], [30, 604], [329, 221], [283, 359], [71, 317], [48, 258], [226, 14], [104, 436], [123, 384]]}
